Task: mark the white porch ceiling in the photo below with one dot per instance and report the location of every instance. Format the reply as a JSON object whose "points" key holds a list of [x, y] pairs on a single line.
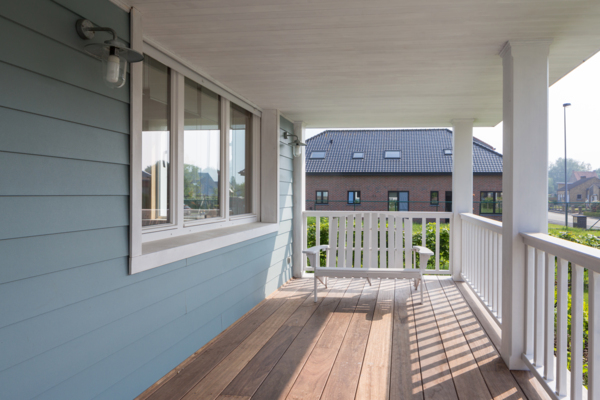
{"points": [[370, 63]]}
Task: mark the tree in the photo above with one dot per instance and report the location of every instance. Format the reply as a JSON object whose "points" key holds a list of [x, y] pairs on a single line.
{"points": [[556, 171]]}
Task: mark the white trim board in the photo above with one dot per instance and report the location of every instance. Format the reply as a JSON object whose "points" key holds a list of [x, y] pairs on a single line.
{"points": [[162, 252]]}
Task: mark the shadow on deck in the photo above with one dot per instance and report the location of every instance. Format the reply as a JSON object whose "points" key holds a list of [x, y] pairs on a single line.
{"points": [[358, 341]]}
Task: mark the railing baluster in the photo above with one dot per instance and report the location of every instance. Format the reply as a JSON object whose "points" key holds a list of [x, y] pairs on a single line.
{"points": [[382, 242], [538, 312], [305, 240], [398, 234], [561, 326], [368, 243], [549, 319], [529, 298], [593, 335], [576, 331], [494, 250], [408, 233], [349, 241], [391, 243], [358, 228], [318, 237], [333, 242], [342, 246], [500, 277], [437, 244]]}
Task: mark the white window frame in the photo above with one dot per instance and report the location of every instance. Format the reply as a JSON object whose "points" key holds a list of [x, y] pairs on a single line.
{"points": [[157, 245]]}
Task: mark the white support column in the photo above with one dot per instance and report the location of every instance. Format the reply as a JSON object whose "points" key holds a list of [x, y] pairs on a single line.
{"points": [[524, 178], [462, 186], [298, 190], [269, 166]]}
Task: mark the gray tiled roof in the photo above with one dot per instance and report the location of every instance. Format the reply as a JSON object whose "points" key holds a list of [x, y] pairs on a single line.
{"points": [[422, 152]]}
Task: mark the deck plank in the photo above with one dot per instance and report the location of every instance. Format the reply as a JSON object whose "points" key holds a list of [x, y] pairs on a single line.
{"points": [[374, 382], [282, 377], [218, 379], [406, 371], [435, 371], [344, 376], [500, 381], [195, 368], [467, 377], [254, 373], [313, 377]]}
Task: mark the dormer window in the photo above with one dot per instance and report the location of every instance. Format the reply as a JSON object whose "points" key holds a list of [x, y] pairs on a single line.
{"points": [[319, 155], [358, 154], [447, 152], [392, 154]]}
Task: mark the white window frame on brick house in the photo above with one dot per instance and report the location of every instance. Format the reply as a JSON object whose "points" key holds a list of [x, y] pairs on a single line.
{"points": [[157, 245]]}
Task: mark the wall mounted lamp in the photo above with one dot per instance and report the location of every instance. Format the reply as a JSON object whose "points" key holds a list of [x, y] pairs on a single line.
{"points": [[296, 143], [113, 53]]}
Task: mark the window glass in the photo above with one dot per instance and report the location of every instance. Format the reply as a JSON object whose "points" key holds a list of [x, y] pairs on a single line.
{"points": [[392, 201], [325, 197], [156, 143], [498, 204], [201, 153], [240, 162], [392, 154], [354, 197], [317, 154], [322, 197], [358, 155], [435, 199], [447, 152]]}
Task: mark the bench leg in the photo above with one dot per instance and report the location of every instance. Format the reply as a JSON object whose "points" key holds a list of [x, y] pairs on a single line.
{"points": [[422, 285], [369, 280], [315, 286]]}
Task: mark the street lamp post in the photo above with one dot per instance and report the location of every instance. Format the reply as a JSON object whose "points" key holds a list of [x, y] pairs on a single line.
{"points": [[566, 186]]}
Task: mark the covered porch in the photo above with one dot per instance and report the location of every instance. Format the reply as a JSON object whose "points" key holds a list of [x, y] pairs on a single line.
{"points": [[358, 341]]}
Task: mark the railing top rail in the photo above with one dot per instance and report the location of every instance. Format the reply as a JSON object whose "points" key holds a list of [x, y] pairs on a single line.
{"points": [[584, 256], [483, 222], [407, 214]]}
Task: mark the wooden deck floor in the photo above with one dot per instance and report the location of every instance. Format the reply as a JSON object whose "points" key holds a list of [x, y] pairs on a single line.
{"points": [[358, 341]]}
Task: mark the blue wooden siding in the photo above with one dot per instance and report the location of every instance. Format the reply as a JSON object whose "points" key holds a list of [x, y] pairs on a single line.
{"points": [[73, 323]]}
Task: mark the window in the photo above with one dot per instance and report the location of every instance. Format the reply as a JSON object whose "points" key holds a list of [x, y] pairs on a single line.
{"points": [[491, 203], [354, 197], [578, 197], [358, 155], [317, 155], [397, 201], [156, 144], [240, 162], [201, 153], [392, 154], [447, 152], [434, 198], [322, 197]]}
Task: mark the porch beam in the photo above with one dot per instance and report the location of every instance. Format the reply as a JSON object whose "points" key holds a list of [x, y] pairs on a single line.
{"points": [[462, 185], [298, 191], [524, 178]]}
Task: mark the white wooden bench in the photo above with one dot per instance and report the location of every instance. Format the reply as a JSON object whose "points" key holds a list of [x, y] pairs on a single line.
{"points": [[369, 245]]}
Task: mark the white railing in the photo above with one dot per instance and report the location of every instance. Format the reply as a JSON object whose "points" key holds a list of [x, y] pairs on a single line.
{"points": [[547, 269], [482, 260], [386, 238]]}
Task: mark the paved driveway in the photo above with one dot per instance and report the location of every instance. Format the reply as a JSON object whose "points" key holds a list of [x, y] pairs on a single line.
{"points": [[559, 219]]}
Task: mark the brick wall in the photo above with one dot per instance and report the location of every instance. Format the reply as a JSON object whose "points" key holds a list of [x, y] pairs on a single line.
{"points": [[375, 189]]}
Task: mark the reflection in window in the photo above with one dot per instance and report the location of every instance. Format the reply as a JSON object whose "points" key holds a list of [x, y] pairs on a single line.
{"points": [[491, 203], [240, 162], [201, 153], [354, 197], [322, 197], [434, 198], [156, 138]]}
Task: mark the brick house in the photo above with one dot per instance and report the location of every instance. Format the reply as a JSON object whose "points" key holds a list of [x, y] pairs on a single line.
{"points": [[396, 170], [582, 190]]}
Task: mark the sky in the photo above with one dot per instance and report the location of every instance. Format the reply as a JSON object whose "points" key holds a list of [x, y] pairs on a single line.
{"points": [[581, 88]]}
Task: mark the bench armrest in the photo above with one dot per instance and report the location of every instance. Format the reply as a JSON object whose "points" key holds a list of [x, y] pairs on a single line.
{"points": [[424, 253], [315, 249]]}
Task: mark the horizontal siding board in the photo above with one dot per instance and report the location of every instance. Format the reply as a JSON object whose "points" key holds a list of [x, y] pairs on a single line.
{"points": [[48, 57], [285, 189], [286, 214], [285, 176], [32, 256], [30, 175], [286, 164], [285, 226], [286, 201], [285, 151], [36, 14], [286, 124], [85, 385], [22, 132], [43, 215], [27, 91]]}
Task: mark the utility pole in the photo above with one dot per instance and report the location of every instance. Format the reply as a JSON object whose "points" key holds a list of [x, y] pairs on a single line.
{"points": [[566, 185]]}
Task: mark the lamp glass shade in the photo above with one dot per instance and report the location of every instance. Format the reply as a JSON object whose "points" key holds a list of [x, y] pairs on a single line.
{"points": [[114, 71]]}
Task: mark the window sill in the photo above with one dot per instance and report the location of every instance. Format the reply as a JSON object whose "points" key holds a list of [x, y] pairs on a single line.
{"points": [[165, 251]]}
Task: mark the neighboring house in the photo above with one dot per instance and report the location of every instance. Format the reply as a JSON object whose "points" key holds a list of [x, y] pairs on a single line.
{"points": [[582, 190], [578, 175], [405, 170]]}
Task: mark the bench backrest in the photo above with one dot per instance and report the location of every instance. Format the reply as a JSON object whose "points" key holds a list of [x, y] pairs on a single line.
{"points": [[370, 240]]}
